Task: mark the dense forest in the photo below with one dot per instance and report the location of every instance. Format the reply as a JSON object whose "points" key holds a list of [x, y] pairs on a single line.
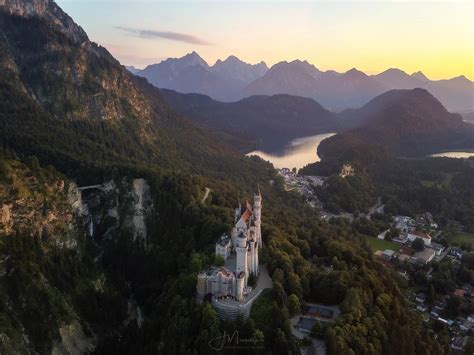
{"points": [[408, 123], [441, 186], [162, 278]]}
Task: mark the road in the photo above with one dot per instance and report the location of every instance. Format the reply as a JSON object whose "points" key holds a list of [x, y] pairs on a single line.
{"points": [[206, 195]]}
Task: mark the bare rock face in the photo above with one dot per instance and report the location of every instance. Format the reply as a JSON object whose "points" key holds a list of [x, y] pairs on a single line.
{"points": [[25, 8], [24, 210], [6, 218], [103, 211], [89, 93], [47, 9], [141, 208], [73, 341]]}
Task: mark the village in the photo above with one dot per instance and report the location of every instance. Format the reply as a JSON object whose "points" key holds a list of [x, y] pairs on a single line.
{"points": [[417, 250], [419, 258]]}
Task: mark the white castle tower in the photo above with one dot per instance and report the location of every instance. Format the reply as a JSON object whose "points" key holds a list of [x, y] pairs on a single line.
{"points": [[257, 212], [240, 285], [253, 258], [241, 265], [240, 253]]}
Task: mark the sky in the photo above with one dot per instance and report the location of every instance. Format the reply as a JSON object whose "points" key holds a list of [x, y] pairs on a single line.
{"points": [[436, 37]]}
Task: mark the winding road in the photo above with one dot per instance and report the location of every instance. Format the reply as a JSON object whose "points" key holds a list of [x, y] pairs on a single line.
{"points": [[206, 195]]}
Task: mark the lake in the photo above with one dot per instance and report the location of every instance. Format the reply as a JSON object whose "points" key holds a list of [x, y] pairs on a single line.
{"points": [[298, 153], [453, 155]]}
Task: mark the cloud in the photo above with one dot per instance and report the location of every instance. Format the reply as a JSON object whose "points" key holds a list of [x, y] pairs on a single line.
{"points": [[173, 36]]}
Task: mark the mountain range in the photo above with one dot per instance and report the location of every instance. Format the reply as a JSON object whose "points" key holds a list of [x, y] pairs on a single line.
{"points": [[223, 81], [232, 80]]}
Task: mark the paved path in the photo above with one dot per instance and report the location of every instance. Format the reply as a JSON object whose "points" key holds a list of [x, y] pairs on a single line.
{"points": [[206, 195]]}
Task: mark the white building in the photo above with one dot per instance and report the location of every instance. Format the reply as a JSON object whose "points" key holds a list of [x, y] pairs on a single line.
{"points": [[438, 248], [424, 256], [240, 251], [404, 224], [416, 234]]}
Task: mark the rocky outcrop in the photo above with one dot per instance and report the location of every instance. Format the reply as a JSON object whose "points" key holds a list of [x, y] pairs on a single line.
{"points": [[103, 212], [142, 207], [73, 341], [6, 218], [35, 204], [47, 9], [87, 91]]}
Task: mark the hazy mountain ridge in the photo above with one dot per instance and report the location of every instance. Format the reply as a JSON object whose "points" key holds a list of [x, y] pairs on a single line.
{"points": [[238, 70], [456, 94], [191, 74], [335, 91]]}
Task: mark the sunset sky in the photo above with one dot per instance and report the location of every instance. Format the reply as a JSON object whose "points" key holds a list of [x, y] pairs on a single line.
{"points": [[434, 37]]}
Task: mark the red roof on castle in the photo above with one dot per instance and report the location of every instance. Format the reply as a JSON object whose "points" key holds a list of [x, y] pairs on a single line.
{"points": [[246, 215]]}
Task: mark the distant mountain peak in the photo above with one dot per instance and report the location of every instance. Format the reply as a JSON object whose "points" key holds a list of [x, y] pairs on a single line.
{"points": [[420, 76], [233, 58], [132, 69], [393, 70], [461, 78], [297, 63], [354, 73], [194, 58], [353, 70]]}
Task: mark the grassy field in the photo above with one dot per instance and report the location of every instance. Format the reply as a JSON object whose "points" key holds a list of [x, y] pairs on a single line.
{"points": [[380, 244], [463, 238]]}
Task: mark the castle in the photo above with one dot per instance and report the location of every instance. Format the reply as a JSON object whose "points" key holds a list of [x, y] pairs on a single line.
{"points": [[229, 283]]}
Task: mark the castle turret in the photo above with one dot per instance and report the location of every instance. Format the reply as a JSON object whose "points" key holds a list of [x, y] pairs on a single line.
{"points": [[241, 251], [257, 215], [257, 205], [253, 257], [257, 247], [239, 294]]}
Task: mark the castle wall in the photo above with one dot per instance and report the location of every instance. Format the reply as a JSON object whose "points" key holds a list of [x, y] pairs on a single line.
{"points": [[231, 311]]}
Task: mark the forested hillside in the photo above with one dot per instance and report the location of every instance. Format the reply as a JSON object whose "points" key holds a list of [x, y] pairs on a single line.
{"points": [[268, 122], [404, 122]]}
